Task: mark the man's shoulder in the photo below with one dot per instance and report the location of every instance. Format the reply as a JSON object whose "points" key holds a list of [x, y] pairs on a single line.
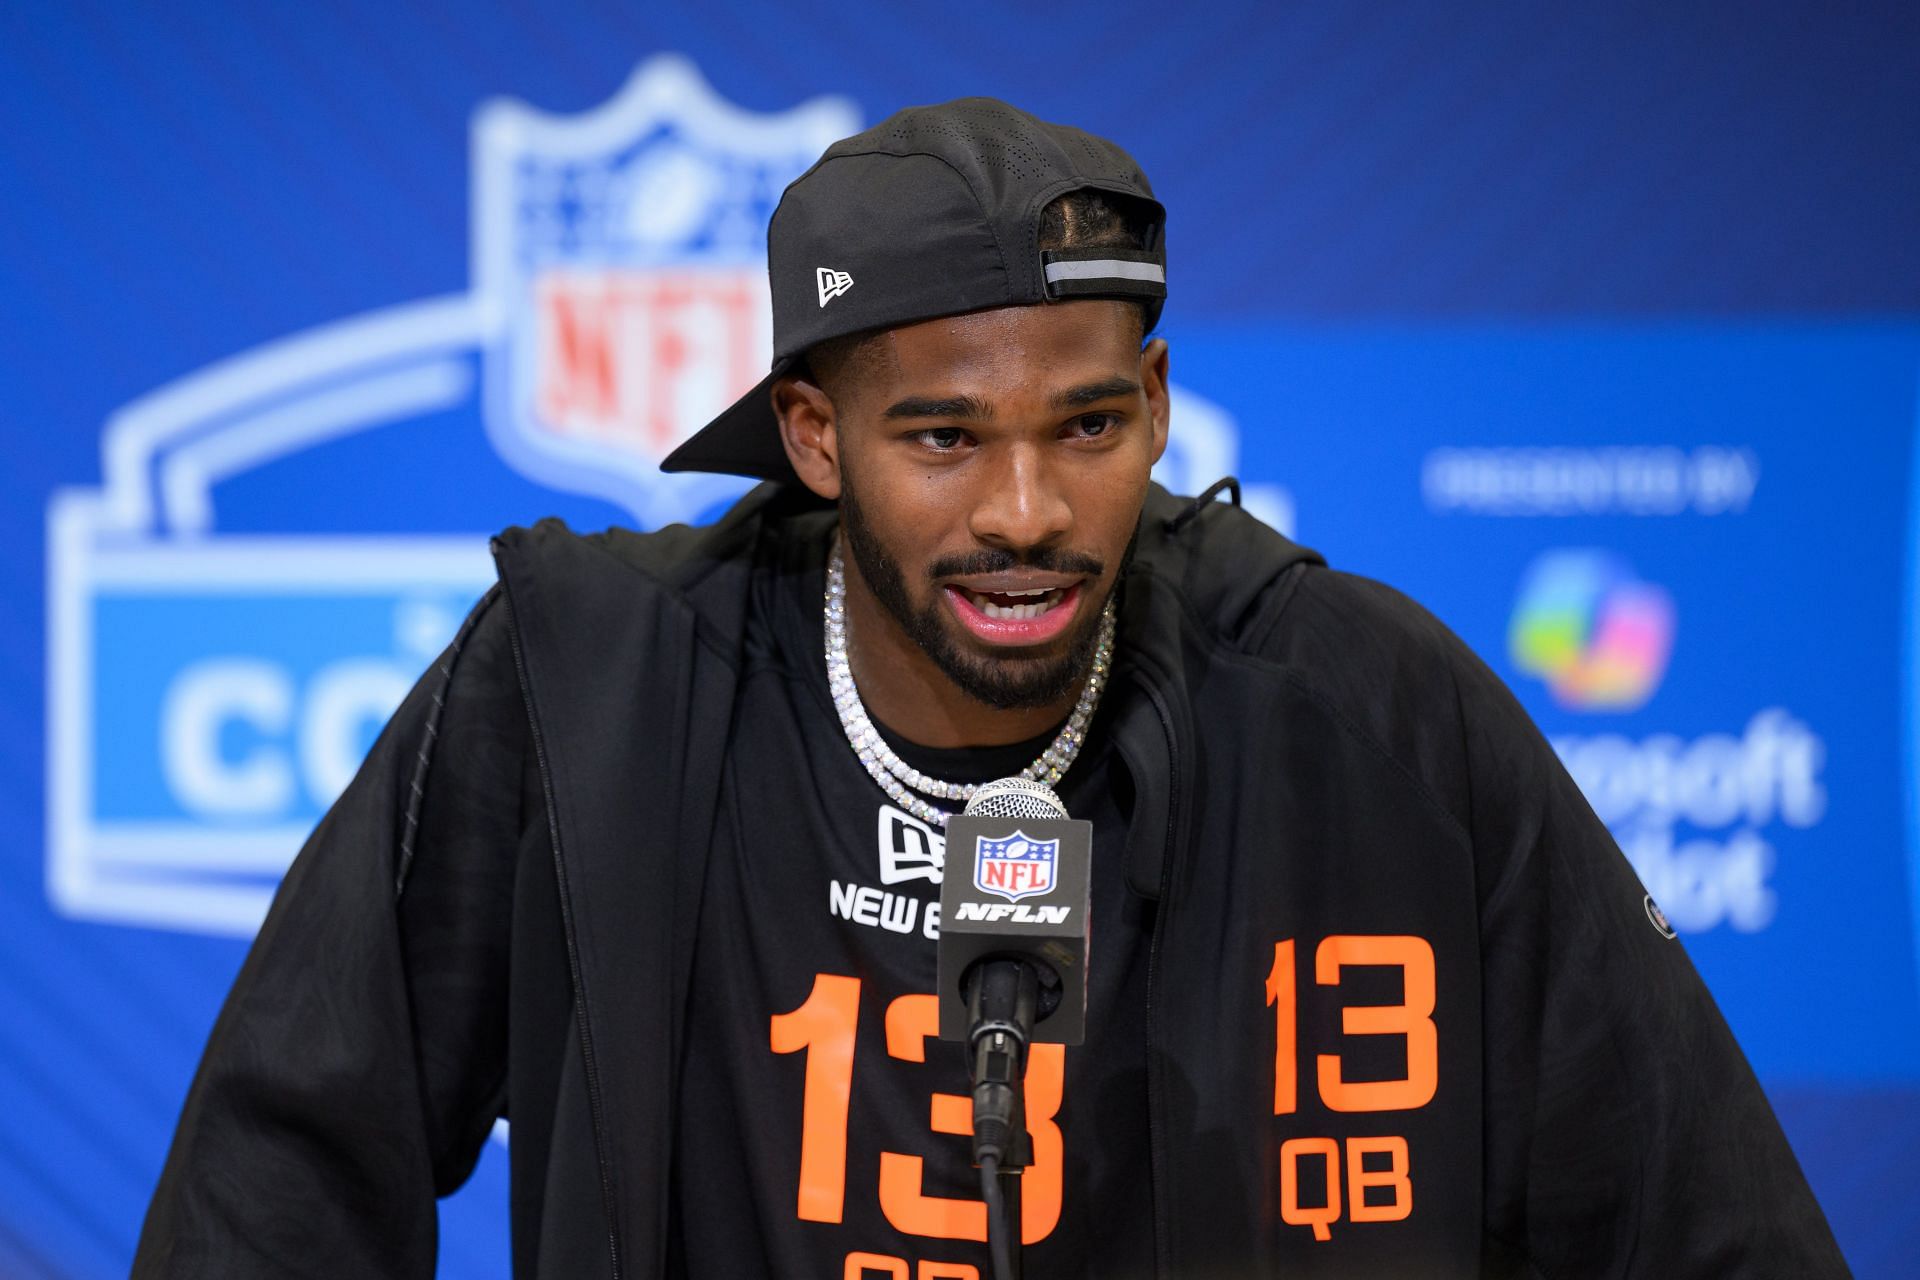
{"points": [[704, 569], [1257, 592], [676, 556], [1336, 620], [1380, 664]]}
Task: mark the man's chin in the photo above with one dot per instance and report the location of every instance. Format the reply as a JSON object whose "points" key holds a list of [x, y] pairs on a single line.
{"points": [[1000, 684]]}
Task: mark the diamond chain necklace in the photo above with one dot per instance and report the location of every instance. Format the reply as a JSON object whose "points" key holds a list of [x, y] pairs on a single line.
{"points": [[895, 775]]}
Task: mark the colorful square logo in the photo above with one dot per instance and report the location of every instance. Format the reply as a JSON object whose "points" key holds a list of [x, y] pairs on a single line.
{"points": [[1594, 632]]}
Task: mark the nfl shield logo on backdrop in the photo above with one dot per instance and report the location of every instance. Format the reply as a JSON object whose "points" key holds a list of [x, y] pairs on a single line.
{"points": [[621, 258], [1015, 867]]}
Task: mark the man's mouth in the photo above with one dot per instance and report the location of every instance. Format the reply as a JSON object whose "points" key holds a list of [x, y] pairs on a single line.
{"points": [[1015, 617], [1014, 604]]}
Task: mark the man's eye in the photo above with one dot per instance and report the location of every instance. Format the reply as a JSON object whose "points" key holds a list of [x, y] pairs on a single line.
{"points": [[1093, 425], [943, 439]]}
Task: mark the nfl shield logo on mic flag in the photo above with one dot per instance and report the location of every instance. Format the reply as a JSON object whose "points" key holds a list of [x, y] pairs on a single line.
{"points": [[1015, 867]]}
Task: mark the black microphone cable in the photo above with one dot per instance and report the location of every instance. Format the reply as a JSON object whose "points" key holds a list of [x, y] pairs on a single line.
{"points": [[1002, 998], [999, 1247]]}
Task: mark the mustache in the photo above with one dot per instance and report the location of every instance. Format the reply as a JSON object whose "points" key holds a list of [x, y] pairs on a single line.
{"points": [[999, 560]]}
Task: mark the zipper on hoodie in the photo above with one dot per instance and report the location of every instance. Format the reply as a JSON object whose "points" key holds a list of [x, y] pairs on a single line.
{"points": [[1156, 1096], [588, 1063]]}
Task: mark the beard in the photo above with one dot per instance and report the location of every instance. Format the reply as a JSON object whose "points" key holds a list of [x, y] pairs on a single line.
{"points": [[1009, 682]]}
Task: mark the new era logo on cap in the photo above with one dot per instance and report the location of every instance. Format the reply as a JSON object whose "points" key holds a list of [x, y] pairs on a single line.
{"points": [[832, 283]]}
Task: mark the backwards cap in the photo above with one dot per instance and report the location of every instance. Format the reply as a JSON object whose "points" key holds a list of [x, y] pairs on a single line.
{"points": [[933, 212]]}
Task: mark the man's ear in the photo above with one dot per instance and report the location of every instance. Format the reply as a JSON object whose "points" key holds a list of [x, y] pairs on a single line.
{"points": [[809, 431], [1153, 380]]}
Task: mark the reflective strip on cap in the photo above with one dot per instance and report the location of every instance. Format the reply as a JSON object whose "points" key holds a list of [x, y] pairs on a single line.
{"points": [[1106, 269]]}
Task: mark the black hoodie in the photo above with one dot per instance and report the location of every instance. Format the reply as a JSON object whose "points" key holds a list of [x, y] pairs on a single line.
{"points": [[1408, 1010]]}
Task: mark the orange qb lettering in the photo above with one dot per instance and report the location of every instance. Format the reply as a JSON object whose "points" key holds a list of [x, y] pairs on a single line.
{"points": [[1360, 1178], [861, 1265], [1411, 1018], [1320, 1217], [911, 1021]]}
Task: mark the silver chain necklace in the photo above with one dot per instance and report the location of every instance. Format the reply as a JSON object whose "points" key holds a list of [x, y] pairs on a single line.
{"points": [[895, 775]]}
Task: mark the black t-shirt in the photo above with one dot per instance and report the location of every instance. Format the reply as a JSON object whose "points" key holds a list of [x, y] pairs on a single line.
{"points": [[822, 1124]]}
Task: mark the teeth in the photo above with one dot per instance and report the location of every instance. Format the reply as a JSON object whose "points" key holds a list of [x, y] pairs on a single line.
{"points": [[1045, 600]]}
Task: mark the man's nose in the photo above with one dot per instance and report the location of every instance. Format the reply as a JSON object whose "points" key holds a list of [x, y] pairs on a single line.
{"points": [[1021, 503]]}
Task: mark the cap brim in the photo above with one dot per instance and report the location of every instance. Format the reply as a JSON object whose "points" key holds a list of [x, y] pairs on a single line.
{"points": [[743, 441]]}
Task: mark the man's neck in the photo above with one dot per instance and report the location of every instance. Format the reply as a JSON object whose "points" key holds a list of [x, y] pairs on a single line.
{"points": [[907, 691]]}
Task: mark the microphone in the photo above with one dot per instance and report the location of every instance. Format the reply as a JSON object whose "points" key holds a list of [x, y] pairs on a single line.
{"points": [[1012, 967], [1015, 886], [1012, 959]]}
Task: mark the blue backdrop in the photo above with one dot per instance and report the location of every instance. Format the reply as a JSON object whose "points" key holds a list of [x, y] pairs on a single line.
{"points": [[1597, 332]]}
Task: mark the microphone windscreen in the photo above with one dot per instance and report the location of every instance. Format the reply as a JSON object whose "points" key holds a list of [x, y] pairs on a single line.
{"points": [[1015, 798]]}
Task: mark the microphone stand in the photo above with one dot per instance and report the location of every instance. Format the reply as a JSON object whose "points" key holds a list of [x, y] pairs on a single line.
{"points": [[1001, 1001]]}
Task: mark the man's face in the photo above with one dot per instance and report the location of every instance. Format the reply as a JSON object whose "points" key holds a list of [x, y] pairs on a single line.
{"points": [[991, 472]]}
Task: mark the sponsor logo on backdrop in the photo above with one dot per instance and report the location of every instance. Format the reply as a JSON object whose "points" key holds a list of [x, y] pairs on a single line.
{"points": [[1597, 635], [210, 692], [1709, 480], [1698, 816]]}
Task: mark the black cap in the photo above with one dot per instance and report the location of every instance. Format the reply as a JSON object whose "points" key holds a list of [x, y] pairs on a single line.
{"points": [[932, 212]]}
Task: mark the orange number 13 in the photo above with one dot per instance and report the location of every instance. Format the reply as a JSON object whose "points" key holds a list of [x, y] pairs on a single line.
{"points": [[1411, 1018], [825, 1027]]}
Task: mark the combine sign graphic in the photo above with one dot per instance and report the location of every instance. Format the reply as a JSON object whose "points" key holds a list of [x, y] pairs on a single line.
{"points": [[211, 692]]}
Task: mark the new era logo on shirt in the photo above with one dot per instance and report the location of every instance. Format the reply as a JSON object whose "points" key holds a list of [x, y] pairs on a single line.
{"points": [[832, 283], [909, 848]]}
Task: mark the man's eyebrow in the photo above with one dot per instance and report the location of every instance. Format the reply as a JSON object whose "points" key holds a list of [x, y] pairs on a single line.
{"points": [[1094, 392], [974, 409], [971, 408]]}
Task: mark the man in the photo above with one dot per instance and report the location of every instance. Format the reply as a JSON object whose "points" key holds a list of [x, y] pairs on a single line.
{"points": [[1372, 991]]}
